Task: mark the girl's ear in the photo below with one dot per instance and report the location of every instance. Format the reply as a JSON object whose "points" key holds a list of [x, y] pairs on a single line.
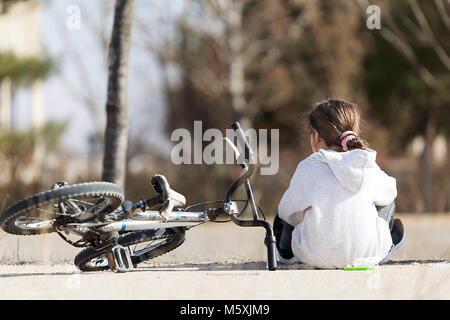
{"points": [[314, 139]]}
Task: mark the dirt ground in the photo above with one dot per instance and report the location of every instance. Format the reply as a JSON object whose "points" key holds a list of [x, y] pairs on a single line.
{"points": [[224, 261]]}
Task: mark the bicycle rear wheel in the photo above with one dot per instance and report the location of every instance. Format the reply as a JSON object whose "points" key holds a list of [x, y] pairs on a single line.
{"points": [[143, 245], [36, 214]]}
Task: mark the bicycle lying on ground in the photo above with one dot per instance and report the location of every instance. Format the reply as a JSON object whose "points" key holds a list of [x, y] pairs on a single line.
{"points": [[117, 234]]}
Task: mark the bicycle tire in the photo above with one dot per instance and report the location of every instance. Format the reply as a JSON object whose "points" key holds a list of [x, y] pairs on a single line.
{"points": [[173, 239], [22, 208]]}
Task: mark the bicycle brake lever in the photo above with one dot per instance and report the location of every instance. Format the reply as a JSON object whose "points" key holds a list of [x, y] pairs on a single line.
{"points": [[235, 149], [237, 154]]}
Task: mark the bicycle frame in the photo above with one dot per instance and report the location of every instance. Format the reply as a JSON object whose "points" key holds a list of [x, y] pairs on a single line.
{"points": [[137, 218], [152, 221], [145, 220]]}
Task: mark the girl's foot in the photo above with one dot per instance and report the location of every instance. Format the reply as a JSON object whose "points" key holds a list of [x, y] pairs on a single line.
{"points": [[291, 260], [285, 256], [398, 236]]}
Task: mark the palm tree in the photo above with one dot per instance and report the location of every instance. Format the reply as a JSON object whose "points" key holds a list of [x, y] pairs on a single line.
{"points": [[114, 161]]}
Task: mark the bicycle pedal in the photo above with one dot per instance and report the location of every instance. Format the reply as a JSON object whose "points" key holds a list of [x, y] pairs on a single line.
{"points": [[119, 259]]}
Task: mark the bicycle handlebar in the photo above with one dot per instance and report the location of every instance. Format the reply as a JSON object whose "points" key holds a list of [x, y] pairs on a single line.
{"points": [[248, 152], [248, 165], [249, 168]]}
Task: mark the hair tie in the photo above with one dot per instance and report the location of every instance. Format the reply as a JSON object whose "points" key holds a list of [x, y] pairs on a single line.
{"points": [[345, 137]]}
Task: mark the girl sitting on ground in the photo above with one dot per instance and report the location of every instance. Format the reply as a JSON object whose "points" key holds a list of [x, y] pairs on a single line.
{"points": [[339, 206]]}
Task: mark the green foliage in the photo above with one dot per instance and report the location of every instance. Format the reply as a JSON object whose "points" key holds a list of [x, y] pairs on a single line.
{"points": [[21, 142], [16, 153], [14, 144], [51, 134], [17, 144], [24, 70]]}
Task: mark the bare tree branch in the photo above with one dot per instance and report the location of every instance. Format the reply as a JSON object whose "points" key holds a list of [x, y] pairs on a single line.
{"points": [[397, 39], [443, 12], [404, 48], [430, 38]]}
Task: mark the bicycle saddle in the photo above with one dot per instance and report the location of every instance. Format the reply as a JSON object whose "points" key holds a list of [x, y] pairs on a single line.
{"points": [[170, 198]]}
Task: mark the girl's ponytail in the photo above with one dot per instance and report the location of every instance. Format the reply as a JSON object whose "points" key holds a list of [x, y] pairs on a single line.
{"points": [[356, 143]]}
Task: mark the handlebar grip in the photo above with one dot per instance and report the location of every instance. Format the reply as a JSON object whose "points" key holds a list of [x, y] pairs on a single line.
{"points": [[271, 252], [248, 152]]}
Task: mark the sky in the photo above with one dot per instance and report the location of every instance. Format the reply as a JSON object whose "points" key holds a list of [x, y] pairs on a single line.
{"points": [[82, 70]]}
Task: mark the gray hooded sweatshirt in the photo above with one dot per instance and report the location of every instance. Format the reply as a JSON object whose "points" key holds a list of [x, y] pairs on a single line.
{"points": [[331, 202]]}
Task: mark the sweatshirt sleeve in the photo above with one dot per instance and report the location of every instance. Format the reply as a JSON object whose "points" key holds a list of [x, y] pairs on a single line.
{"points": [[293, 205], [384, 188]]}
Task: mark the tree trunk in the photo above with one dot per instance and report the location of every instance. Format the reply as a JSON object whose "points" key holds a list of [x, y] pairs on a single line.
{"points": [[427, 159], [114, 161], [236, 63], [5, 103]]}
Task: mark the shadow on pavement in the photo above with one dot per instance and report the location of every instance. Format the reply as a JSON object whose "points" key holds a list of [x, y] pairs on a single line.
{"points": [[259, 266], [36, 274], [213, 267]]}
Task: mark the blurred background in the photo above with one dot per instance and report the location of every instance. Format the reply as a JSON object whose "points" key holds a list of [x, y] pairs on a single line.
{"points": [[263, 62]]}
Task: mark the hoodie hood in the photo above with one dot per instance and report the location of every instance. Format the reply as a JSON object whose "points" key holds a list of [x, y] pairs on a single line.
{"points": [[349, 167]]}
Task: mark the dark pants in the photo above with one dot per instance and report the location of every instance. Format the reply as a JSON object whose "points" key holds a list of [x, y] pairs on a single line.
{"points": [[283, 230], [387, 213]]}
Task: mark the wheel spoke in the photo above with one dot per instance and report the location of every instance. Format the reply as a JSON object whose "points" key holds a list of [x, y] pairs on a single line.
{"points": [[51, 212], [43, 217], [37, 213], [143, 245], [84, 202]]}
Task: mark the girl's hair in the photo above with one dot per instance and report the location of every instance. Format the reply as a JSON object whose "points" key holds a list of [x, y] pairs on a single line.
{"points": [[334, 117]]}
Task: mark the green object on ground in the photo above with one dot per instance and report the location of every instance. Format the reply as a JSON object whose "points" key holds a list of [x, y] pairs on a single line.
{"points": [[359, 268]]}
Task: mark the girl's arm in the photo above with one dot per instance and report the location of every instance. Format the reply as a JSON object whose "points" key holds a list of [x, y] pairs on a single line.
{"points": [[385, 189], [292, 206]]}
